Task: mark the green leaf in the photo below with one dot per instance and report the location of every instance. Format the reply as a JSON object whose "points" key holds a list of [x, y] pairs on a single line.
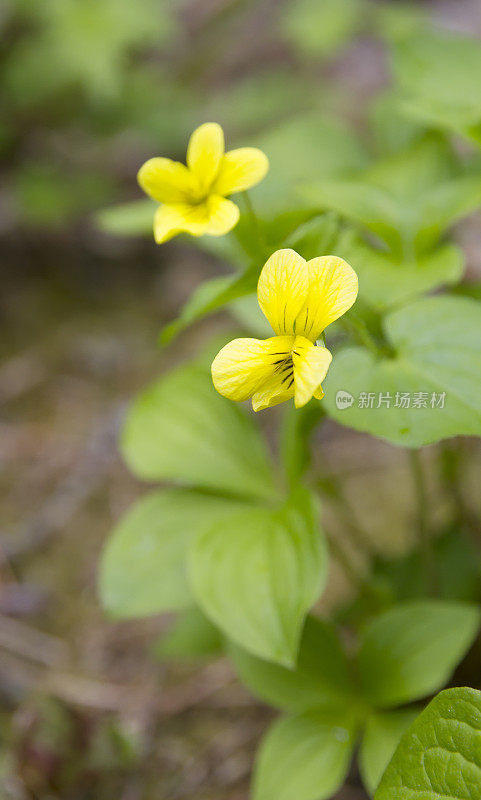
{"points": [[436, 349], [143, 569], [380, 739], [321, 675], [210, 296], [449, 202], [321, 29], [192, 636], [439, 756], [437, 73], [257, 578], [180, 429], [391, 129], [411, 650], [226, 249], [472, 290], [305, 756], [127, 219], [361, 203], [429, 161], [400, 21], [322, 233], [407, 199], [85, 45], [308, 147], [247, 312], [283, 227], [385, 282], [260, 99]]}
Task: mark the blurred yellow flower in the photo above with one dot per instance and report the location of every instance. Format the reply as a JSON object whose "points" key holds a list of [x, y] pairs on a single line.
{"points": [[300, 299], [193, 197]]}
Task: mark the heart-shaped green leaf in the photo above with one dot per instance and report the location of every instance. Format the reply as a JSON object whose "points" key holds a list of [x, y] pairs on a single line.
{"points": [[429, 389], [180, 429], [259, 574], [305, 756], [439, 756], [143, 569], [321, 675], [411, 650]]}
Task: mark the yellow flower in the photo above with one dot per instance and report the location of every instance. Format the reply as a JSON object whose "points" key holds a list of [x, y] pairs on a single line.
{"points": [[300, 299], [193, 197]]}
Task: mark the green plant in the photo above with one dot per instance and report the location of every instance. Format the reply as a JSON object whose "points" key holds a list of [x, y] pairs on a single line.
{"points": [[236, 546]]}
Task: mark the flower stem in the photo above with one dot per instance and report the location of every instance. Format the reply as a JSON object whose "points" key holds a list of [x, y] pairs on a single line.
{"points": [[425, 540], [358, 329], [351, 569], [452, 478], [355, 574], [333, 489], [254, 225]]}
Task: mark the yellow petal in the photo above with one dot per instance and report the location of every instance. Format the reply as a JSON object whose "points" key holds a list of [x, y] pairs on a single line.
{"points": [[276, 390], [205, 152], [244, 365], [167, 223], [319, 393], [215, 216], [223, 215], [167, 181], [240, 169], [333, 289], [170, 220], [282, 289], [310, 368]]}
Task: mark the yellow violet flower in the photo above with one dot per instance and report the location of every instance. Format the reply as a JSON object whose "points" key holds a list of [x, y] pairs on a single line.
{"points": [[193, 197], [300, 299]]}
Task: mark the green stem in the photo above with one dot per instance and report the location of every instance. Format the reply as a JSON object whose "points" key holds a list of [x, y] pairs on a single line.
{"points": [[254, 224], [359, 331], [352, 571], [451, 466], [332, 487], [425, 540], [408, 250]]}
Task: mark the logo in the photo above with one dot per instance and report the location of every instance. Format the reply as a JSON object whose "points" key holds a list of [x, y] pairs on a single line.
{"points": [[344, 399]]}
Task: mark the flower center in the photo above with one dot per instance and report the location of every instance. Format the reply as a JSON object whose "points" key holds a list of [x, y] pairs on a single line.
{"points": [[284, 368], [198, 198], [199, 193]]}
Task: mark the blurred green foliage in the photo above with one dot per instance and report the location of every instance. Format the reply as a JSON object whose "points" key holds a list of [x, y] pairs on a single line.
{"points": [[86, 44], [321, 29], [438, 78], [89, 88]]}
